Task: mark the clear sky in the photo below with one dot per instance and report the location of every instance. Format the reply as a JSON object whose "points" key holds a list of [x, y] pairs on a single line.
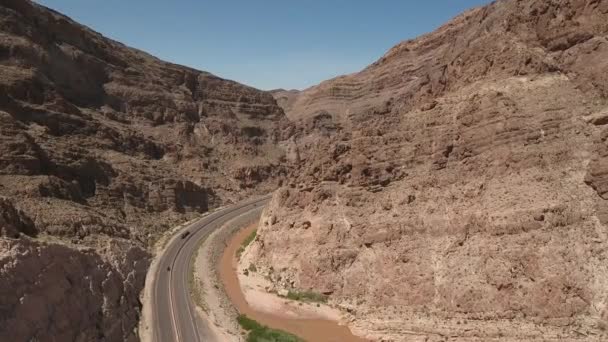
{"points": [[266, 43]]}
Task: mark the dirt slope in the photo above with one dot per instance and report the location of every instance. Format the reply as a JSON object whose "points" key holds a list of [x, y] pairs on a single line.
{"points": [[457, 187]]}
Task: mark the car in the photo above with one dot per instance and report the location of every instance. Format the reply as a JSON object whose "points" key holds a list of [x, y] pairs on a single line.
{"points": [[185, 235], [168, 268]]}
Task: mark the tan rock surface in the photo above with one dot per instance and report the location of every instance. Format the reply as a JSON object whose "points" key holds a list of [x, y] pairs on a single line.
{"points": [[456, 188], [286, 99]]}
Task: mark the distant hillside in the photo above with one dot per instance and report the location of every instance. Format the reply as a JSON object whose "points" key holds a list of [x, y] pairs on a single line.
{"points": [[285, 98]]}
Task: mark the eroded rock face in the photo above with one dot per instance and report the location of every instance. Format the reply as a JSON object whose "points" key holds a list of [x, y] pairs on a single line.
{"points": [[13, 222], [88, 123], [286, 98], [50, 292], [457, 186], [102, 146]]}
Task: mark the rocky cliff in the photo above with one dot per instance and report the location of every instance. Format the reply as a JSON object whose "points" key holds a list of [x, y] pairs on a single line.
{"points": [[456, 188], [53, 292], [103, 147]]}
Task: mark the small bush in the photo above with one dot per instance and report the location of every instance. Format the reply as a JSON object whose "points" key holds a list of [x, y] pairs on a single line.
{"points": [[240, 251], [261, 333], [248, 323], [248, 240], [307, 296], [252, 268]]}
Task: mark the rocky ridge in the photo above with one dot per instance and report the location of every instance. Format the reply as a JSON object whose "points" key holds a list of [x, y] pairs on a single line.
{"points": [[456, 188], [103, 148]]}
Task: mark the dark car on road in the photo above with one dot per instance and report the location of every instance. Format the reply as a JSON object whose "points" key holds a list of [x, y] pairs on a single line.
{"points": [[185, 235]]}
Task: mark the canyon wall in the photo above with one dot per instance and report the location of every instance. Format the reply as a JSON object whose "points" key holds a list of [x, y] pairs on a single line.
{"points": [[102, 148], [53, 292], [456, 188]]}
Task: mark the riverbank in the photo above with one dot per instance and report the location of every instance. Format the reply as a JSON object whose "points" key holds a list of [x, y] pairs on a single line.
{"points": [[213, 305], [249, 293]]}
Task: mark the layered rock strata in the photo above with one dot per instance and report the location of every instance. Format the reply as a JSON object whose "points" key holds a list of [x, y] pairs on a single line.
{"points": [[456, 188]]}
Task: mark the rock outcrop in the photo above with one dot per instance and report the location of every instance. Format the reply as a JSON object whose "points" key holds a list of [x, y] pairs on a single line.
{"points": [[51, 292], [286, 99], [457, 187], [14, 222], [100, 142]]}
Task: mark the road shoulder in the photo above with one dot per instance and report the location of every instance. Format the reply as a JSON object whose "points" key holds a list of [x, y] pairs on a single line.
{"points": [[213, 305], [146, 334]]}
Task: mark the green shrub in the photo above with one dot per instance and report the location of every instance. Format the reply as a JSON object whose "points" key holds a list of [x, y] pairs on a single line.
{"points": [[261, 333], [248, 323], [307, 296], [248, 240]]}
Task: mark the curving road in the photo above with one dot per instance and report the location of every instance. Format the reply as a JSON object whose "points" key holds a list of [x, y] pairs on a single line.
{"points": [[174, 316]]}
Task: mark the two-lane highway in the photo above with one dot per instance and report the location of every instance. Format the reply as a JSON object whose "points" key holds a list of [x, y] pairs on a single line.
{"points": [[174, 316]]}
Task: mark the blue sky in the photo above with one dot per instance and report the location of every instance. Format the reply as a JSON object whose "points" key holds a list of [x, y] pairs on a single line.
{"points": [[269, 43]]}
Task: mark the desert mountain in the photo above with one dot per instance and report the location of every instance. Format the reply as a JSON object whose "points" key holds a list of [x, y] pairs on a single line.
{"points": [[457, 187], [103, 147]]}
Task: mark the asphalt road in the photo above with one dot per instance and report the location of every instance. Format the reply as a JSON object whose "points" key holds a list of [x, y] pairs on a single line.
{"points": [[174, 316]]}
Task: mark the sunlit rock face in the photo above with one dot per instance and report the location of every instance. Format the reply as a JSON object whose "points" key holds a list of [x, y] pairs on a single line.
{"points": [[457, 187]]}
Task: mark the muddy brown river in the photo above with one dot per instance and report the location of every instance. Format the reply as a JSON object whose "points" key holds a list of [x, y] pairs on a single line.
{"points": [[311, 330]]}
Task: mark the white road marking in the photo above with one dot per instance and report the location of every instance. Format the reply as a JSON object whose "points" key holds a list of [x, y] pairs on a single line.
{"points": [[176, 331]]}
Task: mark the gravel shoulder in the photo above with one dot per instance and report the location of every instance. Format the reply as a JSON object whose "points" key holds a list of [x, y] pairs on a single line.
{"points": [[213, 305]]}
